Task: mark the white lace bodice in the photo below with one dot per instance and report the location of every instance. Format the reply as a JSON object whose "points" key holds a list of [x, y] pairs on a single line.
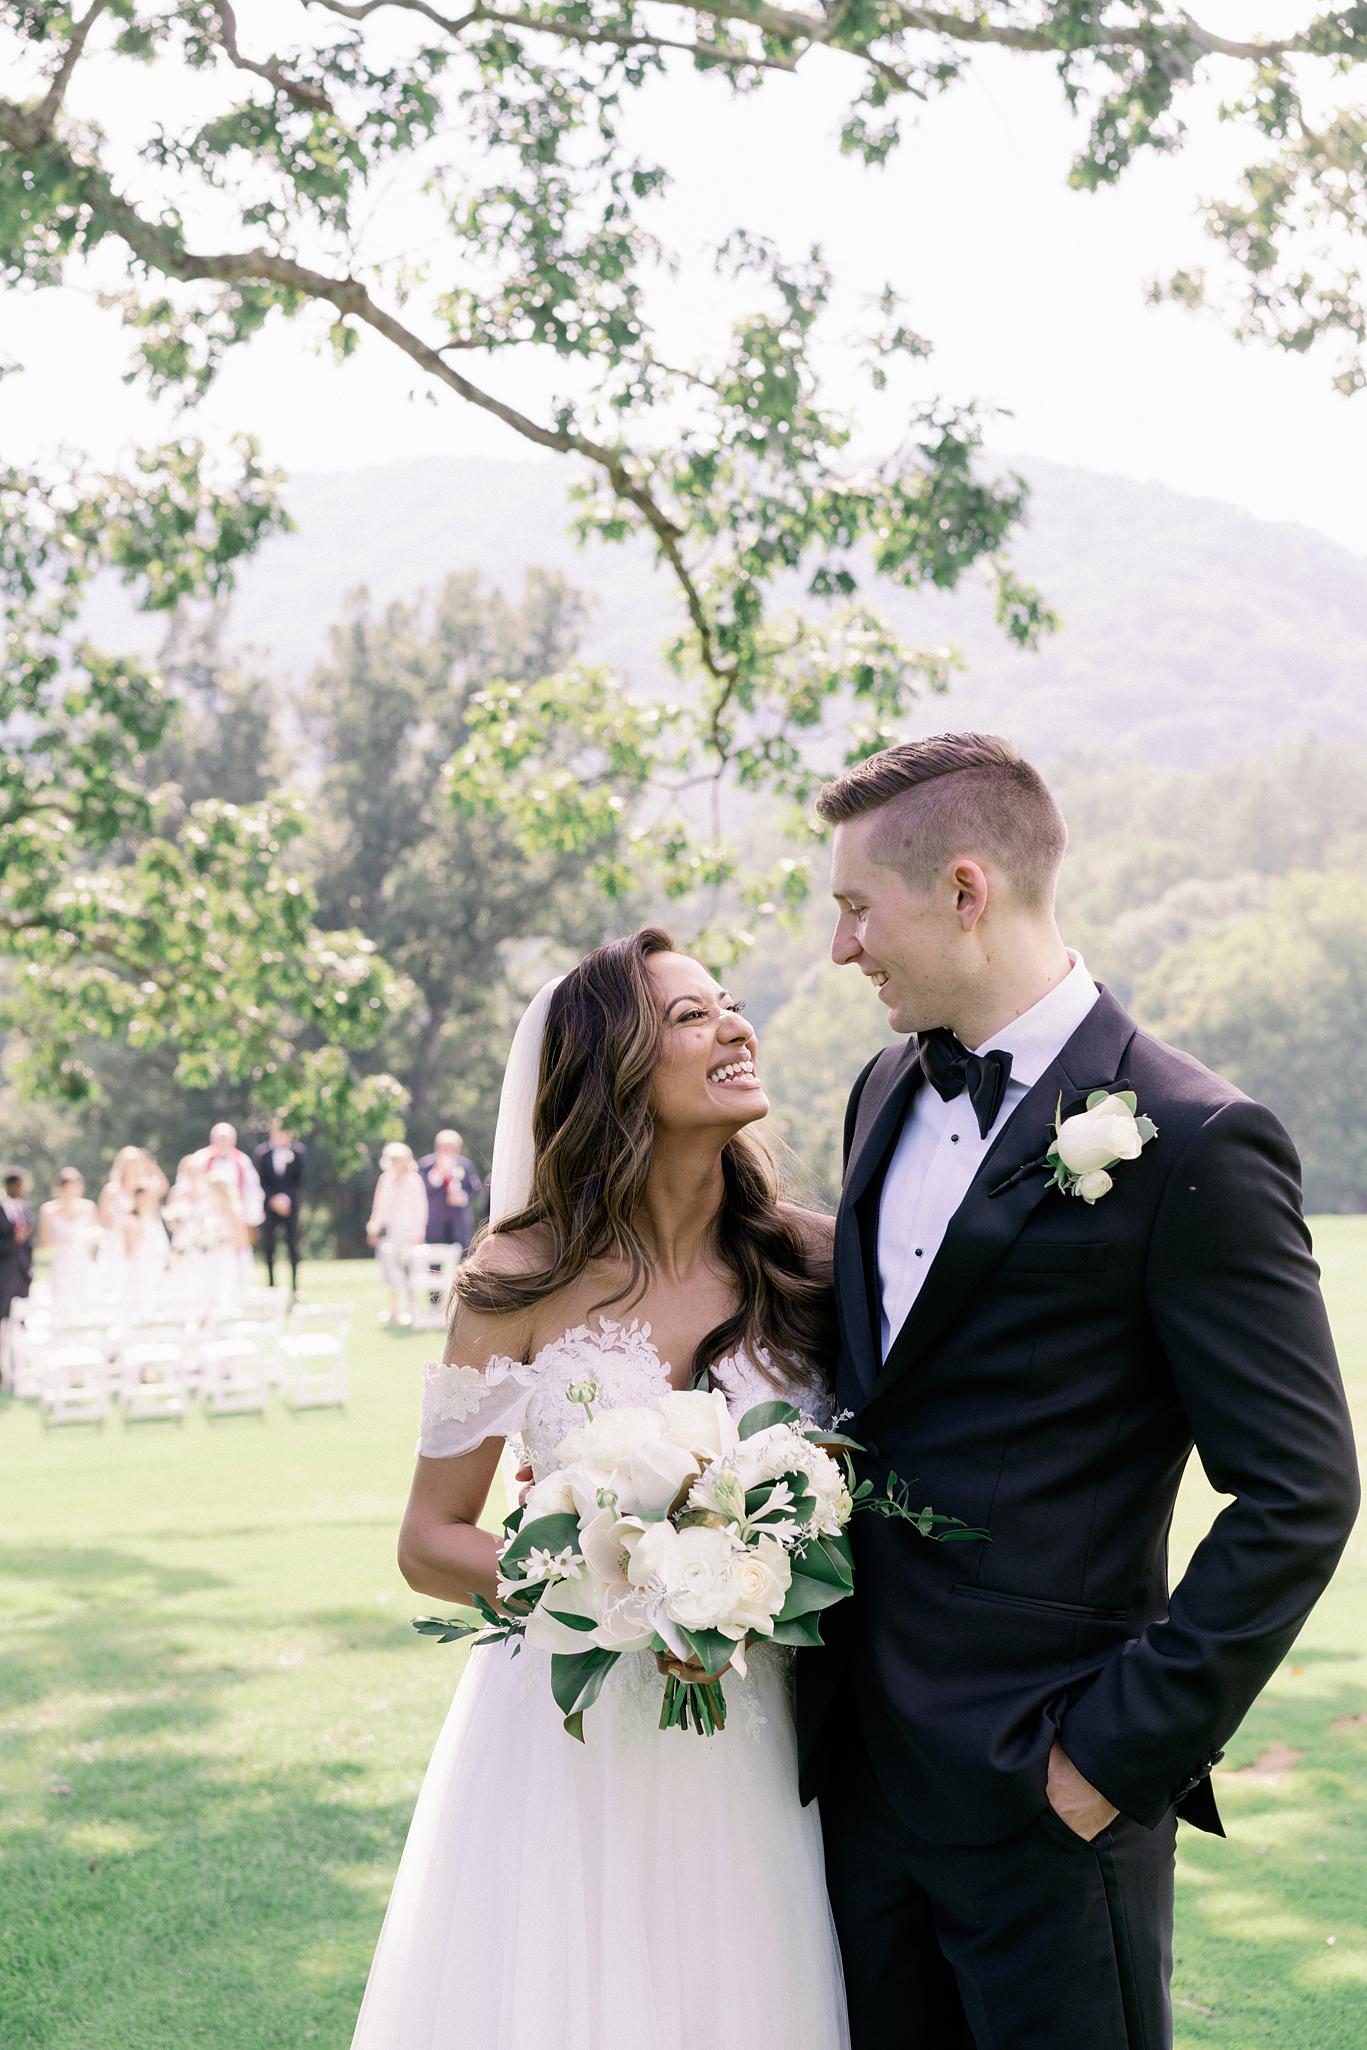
{"points": [[462, 1406]]}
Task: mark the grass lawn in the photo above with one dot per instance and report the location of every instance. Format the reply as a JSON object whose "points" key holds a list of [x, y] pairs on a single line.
{"points": [[214, 1720]]}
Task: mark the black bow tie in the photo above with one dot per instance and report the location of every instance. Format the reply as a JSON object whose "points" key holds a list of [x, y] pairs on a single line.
{"points": [[950, 1068]]}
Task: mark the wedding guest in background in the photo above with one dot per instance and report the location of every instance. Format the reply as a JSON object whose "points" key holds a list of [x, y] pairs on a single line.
{"points": [[133, 1167], [227, 1243], [69, 1230], [223, 1152], [16, 1244], [280, 1169], [398, 1222], [453, 1186], [149, 1253], [187, 1216]]}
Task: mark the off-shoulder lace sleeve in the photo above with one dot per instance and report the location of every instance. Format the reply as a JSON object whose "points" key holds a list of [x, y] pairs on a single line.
{"points": [[462, 1406]]}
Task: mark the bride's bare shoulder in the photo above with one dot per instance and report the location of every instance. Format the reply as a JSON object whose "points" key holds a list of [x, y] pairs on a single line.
{"points": [[511, 1254]]}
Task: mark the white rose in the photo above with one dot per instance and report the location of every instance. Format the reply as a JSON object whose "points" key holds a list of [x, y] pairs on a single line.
{"points": [[1091, 1187], [700, 1421], [760, 1578], [1097, 1138]]}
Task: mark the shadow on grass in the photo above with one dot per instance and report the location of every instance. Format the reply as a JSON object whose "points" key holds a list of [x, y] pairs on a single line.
{"points": [[1254, 1960], [157, 1893]]}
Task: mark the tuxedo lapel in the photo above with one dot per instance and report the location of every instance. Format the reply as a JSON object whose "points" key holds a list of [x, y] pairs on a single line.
{"points": [[887, 1094], [1007, 1186]]}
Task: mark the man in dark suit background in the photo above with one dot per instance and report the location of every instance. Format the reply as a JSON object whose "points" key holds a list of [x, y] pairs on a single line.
{"points": [[280, 1164], [16, 1242], [1007, 1731], [453, 1188]]}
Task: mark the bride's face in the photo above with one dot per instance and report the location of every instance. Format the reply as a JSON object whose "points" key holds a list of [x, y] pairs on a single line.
{"points": [[706, 1072]]}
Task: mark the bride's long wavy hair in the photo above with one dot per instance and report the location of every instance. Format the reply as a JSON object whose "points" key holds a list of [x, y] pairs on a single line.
{"points": [[594, 1141]]}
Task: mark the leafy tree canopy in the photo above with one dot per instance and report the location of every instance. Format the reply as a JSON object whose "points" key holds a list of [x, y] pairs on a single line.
{"points": [[135, 915], [512, 128]]}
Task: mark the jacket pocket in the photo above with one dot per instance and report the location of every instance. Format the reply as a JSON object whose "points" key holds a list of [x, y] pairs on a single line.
{"points": [[1040, 1603], [1055, 1257]]}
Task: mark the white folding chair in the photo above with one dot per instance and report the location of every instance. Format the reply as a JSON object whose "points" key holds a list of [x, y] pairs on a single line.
{"points": [[431, 1271], [233, 1377], [313, 1357], [75, 1383], [151, 1380]]}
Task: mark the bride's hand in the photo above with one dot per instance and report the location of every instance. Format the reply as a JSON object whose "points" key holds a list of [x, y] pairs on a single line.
{"points": [[692, 1670], [524, 1478]]}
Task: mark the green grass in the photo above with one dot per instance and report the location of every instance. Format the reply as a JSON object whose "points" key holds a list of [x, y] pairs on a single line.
{"points": [[214, 1720]]}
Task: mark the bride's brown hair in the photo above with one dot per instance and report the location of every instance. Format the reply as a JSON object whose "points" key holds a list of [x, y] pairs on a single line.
{"points": [[594, 1137]]}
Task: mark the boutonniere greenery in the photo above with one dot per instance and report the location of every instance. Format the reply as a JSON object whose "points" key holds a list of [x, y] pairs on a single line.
{"points": [[1091, 1142]]}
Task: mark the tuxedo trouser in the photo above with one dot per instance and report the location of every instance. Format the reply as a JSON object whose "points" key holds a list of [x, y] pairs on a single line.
{"points": [[271, 1224], [1039, 1942]]}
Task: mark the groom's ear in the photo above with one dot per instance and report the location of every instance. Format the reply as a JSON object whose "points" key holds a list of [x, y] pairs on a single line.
{"points": [[971, 892]]}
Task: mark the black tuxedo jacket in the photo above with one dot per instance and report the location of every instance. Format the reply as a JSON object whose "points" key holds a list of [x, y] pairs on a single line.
{"points": [[16, 1259], [1048, 1384], [291, 1182]]}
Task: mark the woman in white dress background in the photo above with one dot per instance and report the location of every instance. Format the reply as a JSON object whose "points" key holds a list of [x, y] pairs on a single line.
{"points": [[648, 1889], [133, 1168], [398, 1223], [69, 1230]]}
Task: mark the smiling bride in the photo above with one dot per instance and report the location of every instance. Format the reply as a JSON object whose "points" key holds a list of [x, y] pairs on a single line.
{"points": [[643, 1890]]}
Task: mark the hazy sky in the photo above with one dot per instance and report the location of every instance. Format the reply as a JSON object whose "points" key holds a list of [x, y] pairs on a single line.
{"points": [[1033, 296]]}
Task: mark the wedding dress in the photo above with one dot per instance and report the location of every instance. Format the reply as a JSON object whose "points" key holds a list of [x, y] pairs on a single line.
{"points": [[644, 1890]]}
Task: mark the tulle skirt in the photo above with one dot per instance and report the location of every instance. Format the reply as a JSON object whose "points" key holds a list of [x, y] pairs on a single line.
{"points": [[646, 1890]]}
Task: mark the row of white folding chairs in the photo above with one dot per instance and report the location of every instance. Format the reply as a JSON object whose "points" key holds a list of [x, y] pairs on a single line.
{"points": [[157, 1371]]}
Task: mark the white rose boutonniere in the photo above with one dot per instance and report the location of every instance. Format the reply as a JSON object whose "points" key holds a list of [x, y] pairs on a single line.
{"points": [[1091, 1142]]}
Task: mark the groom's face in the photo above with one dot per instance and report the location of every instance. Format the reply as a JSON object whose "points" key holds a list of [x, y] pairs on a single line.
{"points": [[903, 940]]}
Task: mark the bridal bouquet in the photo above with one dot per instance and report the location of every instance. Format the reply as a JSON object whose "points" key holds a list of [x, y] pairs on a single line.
{"points": [[685, 1531]]}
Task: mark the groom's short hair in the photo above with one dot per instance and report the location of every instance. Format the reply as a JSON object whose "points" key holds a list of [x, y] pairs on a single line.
{"points": [[955, 794]]}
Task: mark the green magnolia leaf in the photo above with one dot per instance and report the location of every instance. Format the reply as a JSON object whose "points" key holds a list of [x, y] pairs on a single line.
{"points": [[576, 1681], [803, 1631], [806, 1594], [571, 1622], [546, 1534], [711, 1649], [830, 1560], [765, 1415]]}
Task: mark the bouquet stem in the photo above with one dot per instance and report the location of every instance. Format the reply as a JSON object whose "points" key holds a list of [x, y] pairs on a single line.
{"points": [[693, 1704]]}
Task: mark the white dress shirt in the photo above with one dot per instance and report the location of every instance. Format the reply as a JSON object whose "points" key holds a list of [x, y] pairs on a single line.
{"points": [[940, 1148]]}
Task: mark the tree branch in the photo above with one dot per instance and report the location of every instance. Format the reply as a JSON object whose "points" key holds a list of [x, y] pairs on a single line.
{"points": [[573, 31], [51, 101], [310, 97], [161, 249]]}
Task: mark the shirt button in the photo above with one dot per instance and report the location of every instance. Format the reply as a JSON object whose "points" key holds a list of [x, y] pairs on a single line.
{"points": [[953, 1138], [920, 1252]]}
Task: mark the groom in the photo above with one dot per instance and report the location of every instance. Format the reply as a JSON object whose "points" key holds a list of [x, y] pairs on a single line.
{"points": [[1004, 1733]]}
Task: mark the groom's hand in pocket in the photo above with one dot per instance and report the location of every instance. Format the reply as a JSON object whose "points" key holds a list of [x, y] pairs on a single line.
{"points": [[1074, 1799]]}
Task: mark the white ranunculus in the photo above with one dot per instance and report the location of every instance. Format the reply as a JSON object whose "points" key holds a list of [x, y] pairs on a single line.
{"points": [[1092, 1187], [700, 1421], [1097, 1138], [692, 1567], [611, 1438], [760, 1578]]}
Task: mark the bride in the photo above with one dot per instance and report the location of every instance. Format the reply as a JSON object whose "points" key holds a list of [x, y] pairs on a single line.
{"points": [[648, 1889]]}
